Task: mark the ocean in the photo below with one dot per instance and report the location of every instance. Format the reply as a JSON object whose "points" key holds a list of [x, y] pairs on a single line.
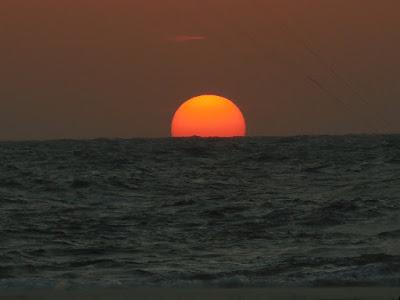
{"points": [[244, 212]]}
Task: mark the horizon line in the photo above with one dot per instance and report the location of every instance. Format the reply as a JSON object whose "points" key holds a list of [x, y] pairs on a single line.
{"points": [[194, 137]]}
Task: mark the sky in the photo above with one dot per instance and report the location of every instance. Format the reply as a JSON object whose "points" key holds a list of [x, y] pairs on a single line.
{"points": [[120, 68]]}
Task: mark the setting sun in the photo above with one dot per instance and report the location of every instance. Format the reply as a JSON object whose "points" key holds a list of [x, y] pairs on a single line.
{"points": [[208, 116]]}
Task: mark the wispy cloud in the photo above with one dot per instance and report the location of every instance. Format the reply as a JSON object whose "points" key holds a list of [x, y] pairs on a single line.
{"points": [[187, 38]]}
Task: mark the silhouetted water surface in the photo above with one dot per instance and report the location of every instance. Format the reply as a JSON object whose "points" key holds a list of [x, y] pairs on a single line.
{"points": [[301, 211]]}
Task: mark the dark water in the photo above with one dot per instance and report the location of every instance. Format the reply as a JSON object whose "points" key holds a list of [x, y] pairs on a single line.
{"points": [[253, 212]]}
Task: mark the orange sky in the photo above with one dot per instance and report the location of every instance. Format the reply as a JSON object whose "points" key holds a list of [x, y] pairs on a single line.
{"points": [[79, 69]]}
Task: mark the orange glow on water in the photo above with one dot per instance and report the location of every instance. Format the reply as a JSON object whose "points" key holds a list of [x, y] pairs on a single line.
{"points": [[208, 116]]}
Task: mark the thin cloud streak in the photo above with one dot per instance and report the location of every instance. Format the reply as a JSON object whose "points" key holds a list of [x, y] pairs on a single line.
{"points": [[187, 38]]}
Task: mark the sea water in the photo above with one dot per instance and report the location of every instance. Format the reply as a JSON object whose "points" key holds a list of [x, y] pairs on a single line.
{"points": [[241, 212]]}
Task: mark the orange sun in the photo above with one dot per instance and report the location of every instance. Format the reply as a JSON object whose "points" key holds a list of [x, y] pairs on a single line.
{"points": [[208, 116]]}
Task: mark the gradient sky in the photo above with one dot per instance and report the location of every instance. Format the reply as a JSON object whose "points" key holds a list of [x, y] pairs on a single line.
{"points": [[114, 68]]}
